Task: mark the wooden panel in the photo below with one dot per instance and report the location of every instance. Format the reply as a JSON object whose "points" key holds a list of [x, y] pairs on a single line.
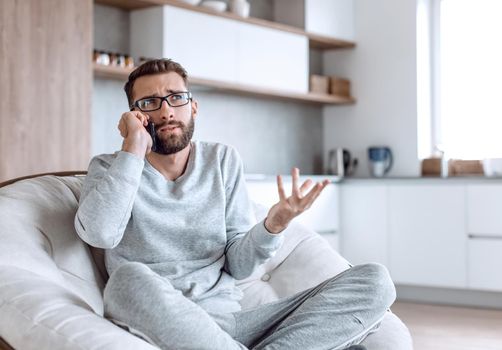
{"points": [[45, 86]]}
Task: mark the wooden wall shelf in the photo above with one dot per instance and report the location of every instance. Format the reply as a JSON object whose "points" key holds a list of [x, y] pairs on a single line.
{"points": [[315, 41], [111, 72]]}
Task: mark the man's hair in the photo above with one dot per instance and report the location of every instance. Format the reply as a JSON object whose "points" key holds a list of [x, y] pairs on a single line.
{"points": [[158, 66]]}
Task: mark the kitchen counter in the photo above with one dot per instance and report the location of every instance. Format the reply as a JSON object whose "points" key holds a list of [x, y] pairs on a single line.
{"points": [[452, 179], [338, 179], [287, 178]]}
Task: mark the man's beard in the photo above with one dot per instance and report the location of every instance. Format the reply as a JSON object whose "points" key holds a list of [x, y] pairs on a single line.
{"points": [[172, 142]]}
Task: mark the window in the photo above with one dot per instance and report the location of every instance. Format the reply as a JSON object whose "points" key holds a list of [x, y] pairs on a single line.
{"points": [[459, 75]]}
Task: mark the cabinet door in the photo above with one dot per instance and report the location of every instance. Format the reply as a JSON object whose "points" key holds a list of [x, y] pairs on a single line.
{"points": [[271, 58], [333, 18], [363, 223], [484, 210], [427, 234], [484, 264], [205, 45]]}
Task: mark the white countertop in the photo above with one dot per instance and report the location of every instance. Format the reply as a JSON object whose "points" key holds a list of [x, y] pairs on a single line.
{"points": [[451, 179], [338, 179], [287, 177]]}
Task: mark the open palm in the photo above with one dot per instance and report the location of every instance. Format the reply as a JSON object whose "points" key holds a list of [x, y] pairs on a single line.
{"points": [[288, 208]]}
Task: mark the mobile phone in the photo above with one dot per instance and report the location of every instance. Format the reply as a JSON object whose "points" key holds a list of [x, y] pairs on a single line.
{"points": [[151, 130]]}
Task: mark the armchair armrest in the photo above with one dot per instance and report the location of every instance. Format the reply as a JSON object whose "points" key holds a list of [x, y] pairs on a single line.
{"points": [[40, 314]]}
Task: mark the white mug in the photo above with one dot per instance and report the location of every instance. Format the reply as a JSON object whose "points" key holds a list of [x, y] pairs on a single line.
{"points": [[378, 168]]}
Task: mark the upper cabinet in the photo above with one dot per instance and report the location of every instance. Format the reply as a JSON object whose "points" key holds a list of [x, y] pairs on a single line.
{"points": [[272, 58], [222, 49], [330, 18], [206, 47], [316, 40], [233, 54]]}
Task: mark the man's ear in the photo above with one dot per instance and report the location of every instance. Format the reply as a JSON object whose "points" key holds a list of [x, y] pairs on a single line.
{"points": [[195, 108]]}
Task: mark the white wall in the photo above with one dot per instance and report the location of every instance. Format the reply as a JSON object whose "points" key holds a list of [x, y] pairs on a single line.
{"points": [[272, 136], [382, 69]]}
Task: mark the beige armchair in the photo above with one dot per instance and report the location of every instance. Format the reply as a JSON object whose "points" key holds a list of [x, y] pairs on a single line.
{"points": [[51, 282]]}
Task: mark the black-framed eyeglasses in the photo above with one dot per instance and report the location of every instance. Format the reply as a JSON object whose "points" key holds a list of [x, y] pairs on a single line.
{"points": [[150, 104]]}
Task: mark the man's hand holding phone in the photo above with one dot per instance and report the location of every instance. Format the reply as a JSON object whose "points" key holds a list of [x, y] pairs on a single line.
{"points": [[137, 139]]}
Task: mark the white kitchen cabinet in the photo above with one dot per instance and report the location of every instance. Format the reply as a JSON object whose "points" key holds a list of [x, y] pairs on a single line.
{"points": [[484, 264], [427, 234], [324, 17], [322, 217], [484, 228], [272, 58], [484, 210], [364, 223], [222, 49], [205, 45]]}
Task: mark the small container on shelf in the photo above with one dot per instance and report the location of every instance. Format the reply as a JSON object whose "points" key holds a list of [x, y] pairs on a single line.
{"points": [[319, 84], [95, 56], [240, 7], [104, 59], [339, 86], [113, 58], [215, 5], [121, 60], [129, 62]]}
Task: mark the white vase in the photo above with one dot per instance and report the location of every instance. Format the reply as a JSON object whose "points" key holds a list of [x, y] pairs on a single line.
{"points": [[240, 7]]}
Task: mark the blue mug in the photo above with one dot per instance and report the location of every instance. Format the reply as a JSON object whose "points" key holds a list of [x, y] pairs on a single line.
{"points": [[380, 160]]}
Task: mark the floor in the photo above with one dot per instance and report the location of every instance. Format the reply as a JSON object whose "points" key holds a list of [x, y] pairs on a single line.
{"points": [[435, 327]]}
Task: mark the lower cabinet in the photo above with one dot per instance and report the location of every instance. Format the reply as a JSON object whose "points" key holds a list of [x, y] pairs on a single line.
{"points": [[485, 264], [484, 229], [428, 233], [427, 240], [363, 223]]}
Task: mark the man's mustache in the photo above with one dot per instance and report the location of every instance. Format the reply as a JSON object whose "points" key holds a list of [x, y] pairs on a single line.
{"points": [[177, 124]]}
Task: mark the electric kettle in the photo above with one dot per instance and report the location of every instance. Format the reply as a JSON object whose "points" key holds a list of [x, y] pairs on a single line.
{"points": [[341, 163]]}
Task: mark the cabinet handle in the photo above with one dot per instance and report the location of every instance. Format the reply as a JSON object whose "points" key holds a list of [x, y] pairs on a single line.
{"points": [[480, 236], [326, 232]]}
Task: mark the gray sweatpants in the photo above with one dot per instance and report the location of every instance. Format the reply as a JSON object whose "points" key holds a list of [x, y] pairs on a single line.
{"points": [[333, 315]]}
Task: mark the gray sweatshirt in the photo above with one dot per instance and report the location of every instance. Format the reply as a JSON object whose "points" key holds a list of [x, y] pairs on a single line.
{"points": [[198, 231]]}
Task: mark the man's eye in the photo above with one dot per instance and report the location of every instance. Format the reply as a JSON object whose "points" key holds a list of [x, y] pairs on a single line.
{"points": [[146, 103], [177, 97]]}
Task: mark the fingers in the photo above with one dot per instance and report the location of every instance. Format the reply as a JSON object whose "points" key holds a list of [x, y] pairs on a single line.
{"points": [[305, 186], [143, 117], [295, 174], [314, 193], [146, 119], [129, 120], [324, 184], [280, 188]]}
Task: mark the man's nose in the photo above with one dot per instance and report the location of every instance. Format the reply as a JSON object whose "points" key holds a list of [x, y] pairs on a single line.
{"points": [[166, 111]]}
